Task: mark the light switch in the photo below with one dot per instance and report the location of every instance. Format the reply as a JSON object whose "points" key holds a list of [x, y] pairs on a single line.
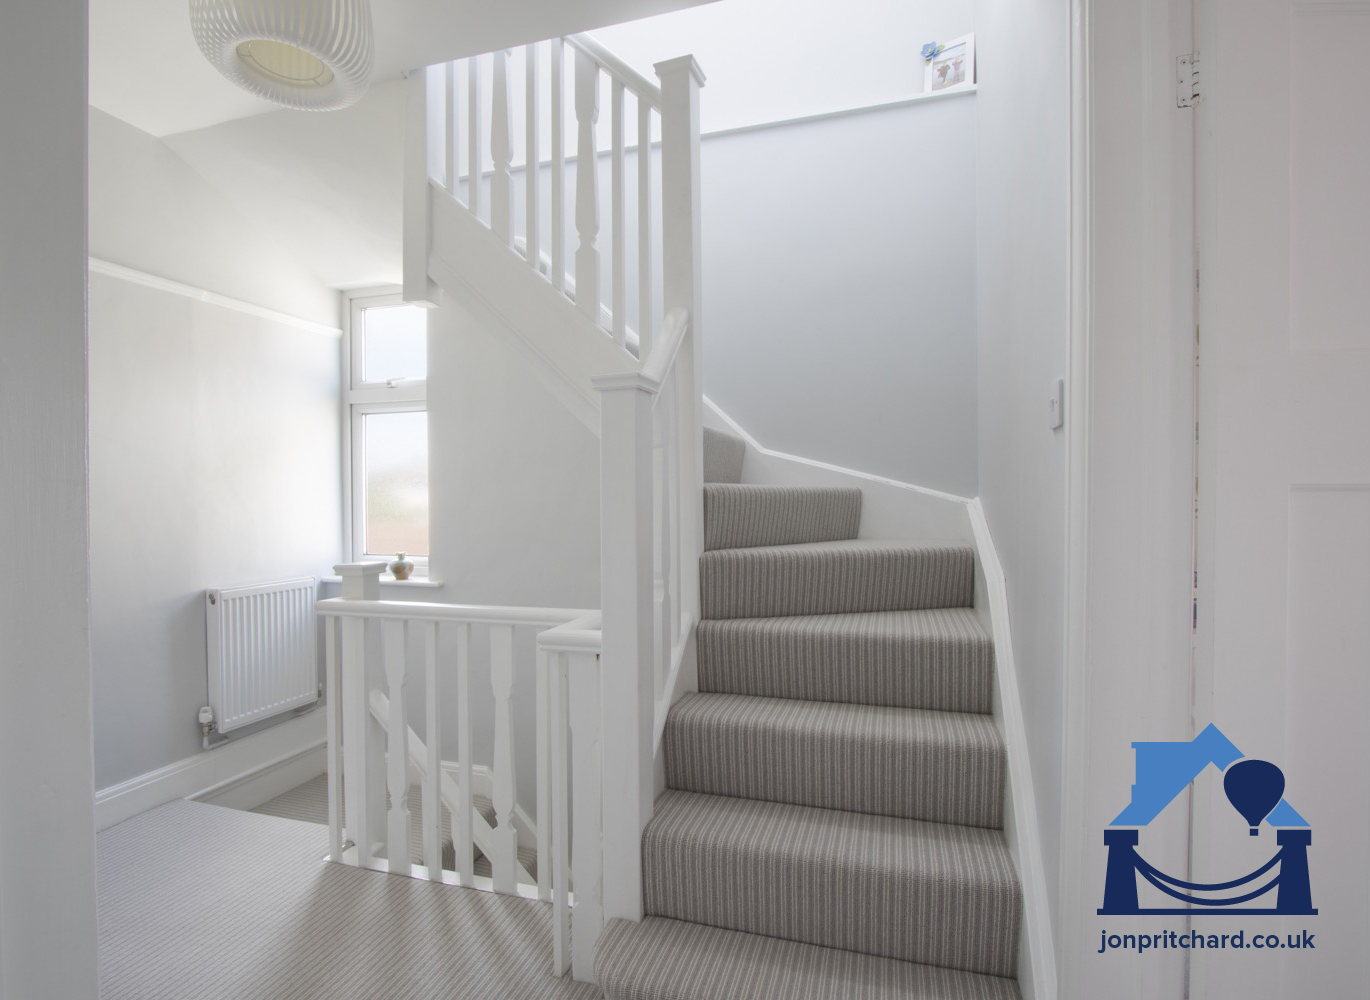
{"points": [[1056, 404]]}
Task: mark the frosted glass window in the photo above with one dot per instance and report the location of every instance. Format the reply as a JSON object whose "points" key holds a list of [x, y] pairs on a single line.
{"points": [[394, 342], [395, 450]]}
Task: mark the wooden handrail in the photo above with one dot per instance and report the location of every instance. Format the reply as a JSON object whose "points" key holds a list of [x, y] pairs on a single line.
{"points": [[667, 345], [473, 614], [642, 87]]}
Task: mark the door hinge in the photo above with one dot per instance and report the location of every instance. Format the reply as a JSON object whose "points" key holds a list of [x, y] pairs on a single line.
{"points": [[1187, 91]]}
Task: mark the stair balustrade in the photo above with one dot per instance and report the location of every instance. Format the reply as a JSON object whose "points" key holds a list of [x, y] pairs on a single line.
{"points": [[608, 687], [384, 659]]}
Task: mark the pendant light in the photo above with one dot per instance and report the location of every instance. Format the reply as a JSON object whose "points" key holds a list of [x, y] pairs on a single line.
{"points": [[312, 55]]}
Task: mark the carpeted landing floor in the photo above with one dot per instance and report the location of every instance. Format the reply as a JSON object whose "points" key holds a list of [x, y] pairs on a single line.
{"points": [[199, 902]]}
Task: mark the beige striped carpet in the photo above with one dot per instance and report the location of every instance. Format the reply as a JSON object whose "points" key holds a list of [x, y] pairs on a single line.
{"points": [[199, 902]]}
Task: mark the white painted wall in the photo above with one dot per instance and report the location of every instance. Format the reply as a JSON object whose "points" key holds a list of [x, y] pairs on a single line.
{"points": [[769, 60], [47, 827], [330, 184], [215, 461], [150, 211], [1022, 197], [841, 313]]}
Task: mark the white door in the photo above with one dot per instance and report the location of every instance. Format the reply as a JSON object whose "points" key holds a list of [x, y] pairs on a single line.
{"points": [[1283, 664]]}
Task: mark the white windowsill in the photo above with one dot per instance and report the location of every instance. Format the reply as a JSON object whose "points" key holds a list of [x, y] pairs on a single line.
{"points": [[389, 581]]}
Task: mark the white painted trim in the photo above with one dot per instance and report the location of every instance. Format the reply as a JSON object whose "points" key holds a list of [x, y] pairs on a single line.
{"points": [[136, 277], [210, 770], [736, 429], [1037, 955], [250, 790], [843, 112]]}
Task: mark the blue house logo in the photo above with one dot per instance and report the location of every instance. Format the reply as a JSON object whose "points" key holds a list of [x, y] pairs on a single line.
{"points": [[1256, 790]]}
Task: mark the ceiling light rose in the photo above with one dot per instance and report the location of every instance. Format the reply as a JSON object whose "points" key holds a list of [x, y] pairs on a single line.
{"points": [[312, 55]]}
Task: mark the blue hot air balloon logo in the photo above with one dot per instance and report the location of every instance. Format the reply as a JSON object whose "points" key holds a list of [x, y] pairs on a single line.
{"points": [[1256, 790], [1254, 787]]}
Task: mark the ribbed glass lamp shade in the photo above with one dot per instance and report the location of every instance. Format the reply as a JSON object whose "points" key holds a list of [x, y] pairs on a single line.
{"points": [[313, 55]]}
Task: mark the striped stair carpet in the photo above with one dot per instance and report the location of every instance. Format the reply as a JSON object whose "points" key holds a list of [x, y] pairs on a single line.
{"points": [[831, 827], [309, 804]]}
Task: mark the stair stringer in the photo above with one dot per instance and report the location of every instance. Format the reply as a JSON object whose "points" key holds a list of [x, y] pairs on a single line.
{"points": [[564, 349], [892, 509]]}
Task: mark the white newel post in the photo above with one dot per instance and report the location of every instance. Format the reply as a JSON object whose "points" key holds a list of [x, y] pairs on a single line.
{"points": [[587, 187], [418, 217], [627, 683], [363, 739], [681, 80]]}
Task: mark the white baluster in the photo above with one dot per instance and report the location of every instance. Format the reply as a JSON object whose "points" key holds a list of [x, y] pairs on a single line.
{"points": [[461, 822], [502, 151], [587, 847], [618, 258], [665, 412], [450, 145], [504, 837], [417, 217], [645, 318], [532, 167], [432, 778], [397, 748], [559, 816], [587, 187], [333, 693], [544, 773], [473, 143], [558, 170]]}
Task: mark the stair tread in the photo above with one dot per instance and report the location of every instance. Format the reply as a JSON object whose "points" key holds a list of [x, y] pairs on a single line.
{"points": [[835, 577], [663, 959], [748, 515], [945, 767], [938, 658], [837, 879], [723, 455]]}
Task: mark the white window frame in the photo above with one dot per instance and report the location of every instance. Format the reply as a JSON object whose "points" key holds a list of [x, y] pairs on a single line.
{"points": [[360, 398]]}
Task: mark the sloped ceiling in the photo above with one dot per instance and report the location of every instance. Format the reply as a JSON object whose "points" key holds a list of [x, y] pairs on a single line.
{"points": [[146, 70]]}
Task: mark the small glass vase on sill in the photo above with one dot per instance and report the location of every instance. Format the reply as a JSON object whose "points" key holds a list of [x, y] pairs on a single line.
{"points": [[401, 567]]}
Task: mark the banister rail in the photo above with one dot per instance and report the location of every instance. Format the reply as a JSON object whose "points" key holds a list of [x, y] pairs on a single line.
{"points": [[617, 68], [668, 343]]}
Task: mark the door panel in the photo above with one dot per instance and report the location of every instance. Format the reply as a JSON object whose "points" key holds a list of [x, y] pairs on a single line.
{"points": [[1282, 143]]}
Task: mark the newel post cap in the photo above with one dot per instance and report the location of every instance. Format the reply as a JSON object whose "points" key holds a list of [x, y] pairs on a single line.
{"points": [[680, 64], [361, 581]]}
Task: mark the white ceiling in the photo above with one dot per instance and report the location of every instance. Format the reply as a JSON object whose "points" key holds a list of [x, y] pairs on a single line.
{"points": [[146, 69]]}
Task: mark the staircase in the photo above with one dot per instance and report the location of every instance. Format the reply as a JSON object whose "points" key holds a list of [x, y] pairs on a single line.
{"points": [[831, 825]]}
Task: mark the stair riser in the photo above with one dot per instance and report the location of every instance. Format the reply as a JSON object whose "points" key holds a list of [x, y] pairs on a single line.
{"points": [[891, 910], [761, 583], [878, 770], [742, 516], [949, 675]]}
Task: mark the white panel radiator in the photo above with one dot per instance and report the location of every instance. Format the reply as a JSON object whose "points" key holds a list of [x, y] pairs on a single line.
{"points": [[262, 658]]}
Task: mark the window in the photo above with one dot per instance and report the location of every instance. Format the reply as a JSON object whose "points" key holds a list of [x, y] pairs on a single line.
{"points": [[387, 424]]}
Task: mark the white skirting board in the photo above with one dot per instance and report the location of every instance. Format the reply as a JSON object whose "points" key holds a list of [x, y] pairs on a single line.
{"points": [[231, 774]]}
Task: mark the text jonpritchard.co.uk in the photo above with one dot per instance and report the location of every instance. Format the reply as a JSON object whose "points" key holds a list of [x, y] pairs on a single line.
{"points": [[1195, 940]]}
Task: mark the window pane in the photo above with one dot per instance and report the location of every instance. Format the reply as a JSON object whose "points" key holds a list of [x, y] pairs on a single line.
{"points": [[396, 456], [394, 342]]}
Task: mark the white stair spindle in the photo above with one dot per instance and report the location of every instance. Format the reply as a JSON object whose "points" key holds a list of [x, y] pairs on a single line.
{"points": [[587, 187], [558, 169], [356, 732], [665, 412], [559, 815], [501, 151], [473, 143], [505, 846], [333, 694], [619, 250], [462, 833], [544, 773], [532, 168], [644, 228], [587, 917], [450, 145], [432, 734], [397, 749]]}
